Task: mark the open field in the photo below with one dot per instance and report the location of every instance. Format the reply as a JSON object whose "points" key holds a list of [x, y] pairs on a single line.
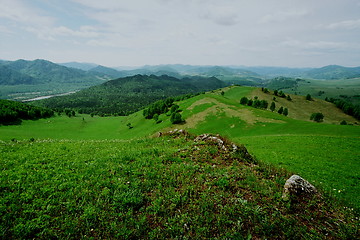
{"points": [[153, 188], [330, 88], [92, 171]]}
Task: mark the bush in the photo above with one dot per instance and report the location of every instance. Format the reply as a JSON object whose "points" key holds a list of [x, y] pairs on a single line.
{"points": [[281, 110], [244, 100], [272, 106], [317, 117], [343, 122], [176, 118], [286, 112]]}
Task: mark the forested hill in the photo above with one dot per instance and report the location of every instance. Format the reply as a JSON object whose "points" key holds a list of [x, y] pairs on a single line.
{"points": [[123, 96], [42, 72], [332, 72]]}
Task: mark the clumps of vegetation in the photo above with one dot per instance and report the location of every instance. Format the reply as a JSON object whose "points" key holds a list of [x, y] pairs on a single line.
{"points": [[346, 107], [308, 97], [12, 112], [162, 106], [256, 103], [177, 186], [159, 107], [283, 111], [282, 95], [262, 104], [317, 117]]}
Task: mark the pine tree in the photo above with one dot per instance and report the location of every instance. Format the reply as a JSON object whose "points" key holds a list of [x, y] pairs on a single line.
{"points": [[285, 112], [272, 106], [281, 110]]}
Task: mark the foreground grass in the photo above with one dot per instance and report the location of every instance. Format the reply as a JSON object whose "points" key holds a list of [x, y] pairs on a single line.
{"points": [[154, 188]]}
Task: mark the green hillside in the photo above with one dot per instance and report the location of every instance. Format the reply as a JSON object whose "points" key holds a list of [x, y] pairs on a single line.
{"points": [[97, 177], [22, 79], [127, 95]]}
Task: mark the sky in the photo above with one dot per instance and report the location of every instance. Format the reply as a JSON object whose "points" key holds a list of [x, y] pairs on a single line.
{"points": [[290, 33]]}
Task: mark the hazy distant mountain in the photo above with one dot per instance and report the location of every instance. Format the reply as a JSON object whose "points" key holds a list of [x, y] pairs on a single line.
{"points": [[42, 71], [81, 66], [333, 72], [278, 71], [111, 72]]}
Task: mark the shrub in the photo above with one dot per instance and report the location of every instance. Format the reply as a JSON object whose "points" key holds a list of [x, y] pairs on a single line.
{"points": [[244, 100], [272, 106], [281, 110], [317, 117], [176, 118]]}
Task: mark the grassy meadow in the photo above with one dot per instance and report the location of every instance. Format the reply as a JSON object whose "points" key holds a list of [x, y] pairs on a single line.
{"points": [[94, 177], [159, 188]]}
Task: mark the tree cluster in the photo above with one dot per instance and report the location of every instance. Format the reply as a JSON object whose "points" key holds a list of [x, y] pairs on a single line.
{"points": [[154, 110], [256, 103], [14, 112], [159, 107], [282, 95], [317, 117], [346, 107]]}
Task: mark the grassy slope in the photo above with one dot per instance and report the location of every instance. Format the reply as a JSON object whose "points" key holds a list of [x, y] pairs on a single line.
{"points": [[332, 88], [162, 188], [326, 154]]}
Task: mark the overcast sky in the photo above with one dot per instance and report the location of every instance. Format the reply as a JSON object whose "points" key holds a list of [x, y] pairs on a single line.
{"points": [[293, 33]]}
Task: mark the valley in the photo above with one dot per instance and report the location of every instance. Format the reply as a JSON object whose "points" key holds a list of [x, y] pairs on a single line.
{"points": [[111, 176]]}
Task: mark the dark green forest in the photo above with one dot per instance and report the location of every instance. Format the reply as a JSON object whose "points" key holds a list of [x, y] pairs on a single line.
{"points": [[12, 112], [124, 96]]}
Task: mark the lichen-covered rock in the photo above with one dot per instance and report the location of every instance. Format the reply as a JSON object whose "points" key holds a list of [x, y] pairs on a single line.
{"points": [[299, 187]]}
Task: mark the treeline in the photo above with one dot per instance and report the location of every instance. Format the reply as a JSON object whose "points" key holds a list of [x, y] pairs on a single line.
{"points": [[262, 104], [13, 112], [123, 96], [346, 107]]}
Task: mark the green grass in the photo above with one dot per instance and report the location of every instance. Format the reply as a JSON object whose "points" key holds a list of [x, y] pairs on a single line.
{"points": [[96, 178], [162, 188], [326, 154], [332, 88], [84, 127]]}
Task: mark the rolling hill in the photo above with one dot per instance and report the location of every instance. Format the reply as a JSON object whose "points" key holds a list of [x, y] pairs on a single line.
{"points": [[97, 177], [126, 95], [22, 80], [333, 72], [9, 76], [43, 71]]}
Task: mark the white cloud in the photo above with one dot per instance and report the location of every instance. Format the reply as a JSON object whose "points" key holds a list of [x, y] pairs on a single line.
{"points": [[84, 32], [348, 24], [17, 11], [282, 16], [5, 30], [222, 15], [319, 45]]}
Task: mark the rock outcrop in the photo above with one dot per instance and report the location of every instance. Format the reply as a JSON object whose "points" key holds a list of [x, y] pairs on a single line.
{"points": [[298, 187]]}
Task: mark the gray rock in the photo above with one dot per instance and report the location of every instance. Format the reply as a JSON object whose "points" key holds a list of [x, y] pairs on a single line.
{"points": [[297, 186]]}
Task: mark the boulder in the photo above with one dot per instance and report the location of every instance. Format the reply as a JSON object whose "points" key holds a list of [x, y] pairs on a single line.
{"points": [[299, 187]]}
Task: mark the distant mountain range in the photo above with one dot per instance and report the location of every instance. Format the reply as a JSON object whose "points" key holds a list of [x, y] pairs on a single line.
{"points": [[22, 79], [42, 71]]}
